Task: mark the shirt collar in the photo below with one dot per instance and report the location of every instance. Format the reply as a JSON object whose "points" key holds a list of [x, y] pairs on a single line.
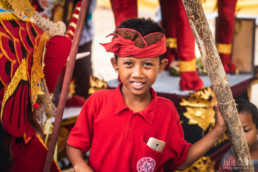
{"points": [[148, 113]]}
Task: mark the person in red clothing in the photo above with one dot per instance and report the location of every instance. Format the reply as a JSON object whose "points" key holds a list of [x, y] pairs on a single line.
{"points": [[225, 32], [120, 125], [180, 43], [32, 55]]}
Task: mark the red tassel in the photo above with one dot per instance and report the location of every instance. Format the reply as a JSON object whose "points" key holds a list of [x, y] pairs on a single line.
{"points": [[35, 105]]}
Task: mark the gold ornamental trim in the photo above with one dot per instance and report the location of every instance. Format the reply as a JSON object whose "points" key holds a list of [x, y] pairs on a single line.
{"points": [[22, 9], [187, 66], [96, 84], [7, 16], [224, 48], [204, 117], [20, 74], [199, 108], [37, 69], [203, 164], [171, 42]]}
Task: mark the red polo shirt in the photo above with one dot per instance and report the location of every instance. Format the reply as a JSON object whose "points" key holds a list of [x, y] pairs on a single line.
{"points": [[117, 136]]}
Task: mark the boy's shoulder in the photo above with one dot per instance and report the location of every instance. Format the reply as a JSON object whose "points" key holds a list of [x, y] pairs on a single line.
{"points": [[102, 94], [103, 91], [164, 102], [166, 107], [100, 98]]}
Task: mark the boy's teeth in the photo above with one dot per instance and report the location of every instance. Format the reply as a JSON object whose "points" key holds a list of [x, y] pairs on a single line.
{"points": [[137, 83]]}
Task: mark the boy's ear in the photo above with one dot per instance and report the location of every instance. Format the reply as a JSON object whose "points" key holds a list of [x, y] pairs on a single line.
{"points": [[163, 64], [114, 63]]}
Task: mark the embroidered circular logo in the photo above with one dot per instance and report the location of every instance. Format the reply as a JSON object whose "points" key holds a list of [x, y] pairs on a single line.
{"points": [[146, 164]]}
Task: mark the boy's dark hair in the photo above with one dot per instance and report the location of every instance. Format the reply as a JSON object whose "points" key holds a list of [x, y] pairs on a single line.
{"points": [[143, 26], [244, 105]]}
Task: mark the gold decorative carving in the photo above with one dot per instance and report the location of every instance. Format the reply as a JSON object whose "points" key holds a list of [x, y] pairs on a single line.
{"points": [[25, 12], [96, 84], [199, 110], [20, 74], [204, 164]]}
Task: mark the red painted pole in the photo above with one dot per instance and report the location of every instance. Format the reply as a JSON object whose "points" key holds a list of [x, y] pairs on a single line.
{"points": [[65, 86]]}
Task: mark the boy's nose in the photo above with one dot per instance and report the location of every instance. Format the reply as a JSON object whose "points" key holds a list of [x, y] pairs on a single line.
{"points": [[137, 72]]}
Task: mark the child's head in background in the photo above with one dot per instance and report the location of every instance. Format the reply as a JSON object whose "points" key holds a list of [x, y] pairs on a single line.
{"points": [[248, 115]]}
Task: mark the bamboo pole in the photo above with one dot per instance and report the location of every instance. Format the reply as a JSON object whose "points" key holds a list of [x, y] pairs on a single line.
{"points": [[218, 78], [65, 86]]}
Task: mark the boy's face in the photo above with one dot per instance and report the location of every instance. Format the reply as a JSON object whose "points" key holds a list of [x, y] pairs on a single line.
{"points": [[138, 74], [250, 129]]}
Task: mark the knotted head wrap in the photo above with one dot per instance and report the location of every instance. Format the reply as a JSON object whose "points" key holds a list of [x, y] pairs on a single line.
{"points": [[128, 42]]}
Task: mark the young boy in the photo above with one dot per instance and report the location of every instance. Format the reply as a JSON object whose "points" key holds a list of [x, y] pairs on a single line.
{"points": [[248, 115], [116, 125]]}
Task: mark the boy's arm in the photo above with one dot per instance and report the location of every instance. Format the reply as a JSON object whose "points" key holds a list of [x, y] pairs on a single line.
{"points": [[76, 157], [200, 147]]}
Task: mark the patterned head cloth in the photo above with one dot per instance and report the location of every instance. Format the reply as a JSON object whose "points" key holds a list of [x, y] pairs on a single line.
{"points": [[128, 42]]}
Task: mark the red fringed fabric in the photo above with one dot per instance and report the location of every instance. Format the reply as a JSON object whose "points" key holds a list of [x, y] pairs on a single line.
{"points": [[176, 25], [168, 11], [190, 81], [185, 37], [225, 21], [14, 119], [58, 49], [225, 31], [123, 10], [17, 40], [228, 65], [171, 55]]}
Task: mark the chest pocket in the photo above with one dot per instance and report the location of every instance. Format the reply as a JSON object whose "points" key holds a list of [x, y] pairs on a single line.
{"points": [[147, 159]]}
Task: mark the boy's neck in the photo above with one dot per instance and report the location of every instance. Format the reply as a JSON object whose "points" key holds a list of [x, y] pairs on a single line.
{"points": [[137, 103]]}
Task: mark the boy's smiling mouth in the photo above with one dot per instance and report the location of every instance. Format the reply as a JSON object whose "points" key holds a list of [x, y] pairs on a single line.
{"points": [[137, 85]]}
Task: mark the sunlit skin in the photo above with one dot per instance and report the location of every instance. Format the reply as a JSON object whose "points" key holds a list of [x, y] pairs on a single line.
{"points": [[137, 76], [251, 132]]}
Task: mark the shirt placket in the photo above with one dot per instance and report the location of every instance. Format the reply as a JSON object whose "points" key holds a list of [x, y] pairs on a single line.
{"points": [[129, 133]]}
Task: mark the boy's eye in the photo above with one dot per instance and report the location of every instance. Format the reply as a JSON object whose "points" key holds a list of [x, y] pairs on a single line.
{"points": [[247, 130], [128, 63], [148, 64]]}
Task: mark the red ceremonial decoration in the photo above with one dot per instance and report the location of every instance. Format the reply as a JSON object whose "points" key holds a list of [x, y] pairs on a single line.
{"points": [[128, 42]]}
